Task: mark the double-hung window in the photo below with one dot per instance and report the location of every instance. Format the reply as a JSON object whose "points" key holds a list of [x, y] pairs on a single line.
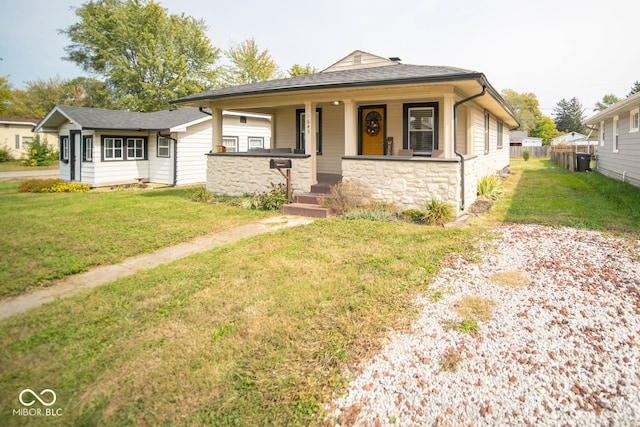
{"points": [[499, 133], [230, 143], [135, 149], [300, 130], [255, 142], [164, 147], [64, 148], [602, 133], [113, 149], [421, 128], [87, 149], [486, 131], [616, 134], [634, 120], [124, 148]]}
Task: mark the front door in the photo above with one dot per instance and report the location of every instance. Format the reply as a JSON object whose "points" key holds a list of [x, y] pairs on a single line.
{"points": [[372, 130]]}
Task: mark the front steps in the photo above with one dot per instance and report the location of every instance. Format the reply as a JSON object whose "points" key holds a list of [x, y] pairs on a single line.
{"points": [[308, 204]]}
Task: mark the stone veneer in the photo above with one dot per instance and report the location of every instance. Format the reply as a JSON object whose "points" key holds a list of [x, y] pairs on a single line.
{"points": [[235, 174], [406, 183]]}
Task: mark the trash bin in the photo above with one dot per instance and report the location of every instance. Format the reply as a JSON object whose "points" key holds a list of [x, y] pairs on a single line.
{"points": [[582, 161]]}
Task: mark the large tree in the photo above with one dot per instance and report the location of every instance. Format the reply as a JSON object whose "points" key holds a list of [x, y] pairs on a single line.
{"points": [[526, 107], [545, 128], [250, 64], [569, 116], [299, 70], [145, 56], [634, 89], [607, 101], [5, 94]]}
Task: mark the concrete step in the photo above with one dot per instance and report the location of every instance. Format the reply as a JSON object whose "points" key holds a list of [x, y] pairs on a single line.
{"points": [[321, 188], [311, 198], [305, 209]]}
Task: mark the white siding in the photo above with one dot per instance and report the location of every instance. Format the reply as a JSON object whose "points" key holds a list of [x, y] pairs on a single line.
{"points": [[254, 127], [330, 161], [625, 163], [193, 146]]}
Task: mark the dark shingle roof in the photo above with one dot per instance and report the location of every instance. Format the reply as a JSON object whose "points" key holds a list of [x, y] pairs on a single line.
{"points": [[96, 118], [385, 75]]}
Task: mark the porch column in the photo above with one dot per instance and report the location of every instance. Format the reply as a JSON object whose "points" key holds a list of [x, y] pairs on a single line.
{"points": [[350, 128], [311, 145], [216, 128], [447, 128]]}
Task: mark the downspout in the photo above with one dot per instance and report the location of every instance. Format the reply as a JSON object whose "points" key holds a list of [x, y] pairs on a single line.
{"points": [[175, 156], [455, 140]]}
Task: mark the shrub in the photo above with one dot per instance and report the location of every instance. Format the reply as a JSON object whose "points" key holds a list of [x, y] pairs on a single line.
{"points": [[201, 195], [51, 186], [38, 153], [437, 212], [5, 154], [526, 154], [268, 201], [413, 215], [490, 187], [345, 197]]}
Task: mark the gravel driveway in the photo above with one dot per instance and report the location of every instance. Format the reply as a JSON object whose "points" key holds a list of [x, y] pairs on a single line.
{"points": [[563, 349]]}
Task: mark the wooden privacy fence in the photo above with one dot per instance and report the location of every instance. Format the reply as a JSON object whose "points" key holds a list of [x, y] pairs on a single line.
{"points": [[565, 159], [516, 151], [565, 155]]}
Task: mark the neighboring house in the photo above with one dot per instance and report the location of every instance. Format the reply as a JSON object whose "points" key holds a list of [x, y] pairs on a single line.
{"points": [[618, 130], [108, 147], [408, 133], [571, 138], [521, 138], [17, 133]]}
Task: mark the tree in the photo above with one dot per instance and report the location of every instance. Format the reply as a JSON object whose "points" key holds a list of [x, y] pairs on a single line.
{"points": [[5, 94], [607, 101], [545, 128], [634, 89], [299, 70], [250, 65], [146, 56], [569, 116], [526, 107]]}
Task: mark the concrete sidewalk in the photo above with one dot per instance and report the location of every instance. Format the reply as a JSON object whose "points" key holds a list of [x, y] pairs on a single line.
{"points": [[73, 284], [29, 174]]}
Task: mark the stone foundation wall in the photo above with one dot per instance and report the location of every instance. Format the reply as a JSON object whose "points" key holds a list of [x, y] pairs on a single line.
{"points": [[237, 174], [408, 184]]}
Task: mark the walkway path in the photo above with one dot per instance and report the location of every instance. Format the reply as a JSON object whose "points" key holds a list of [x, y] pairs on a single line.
{"points": [[73, 284], [29, 174]]}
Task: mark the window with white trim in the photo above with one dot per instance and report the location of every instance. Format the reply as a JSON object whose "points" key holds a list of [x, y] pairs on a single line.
{"points": [[164, 147], [256, 142], [420, 128], [486, 131], [500, 135], [230, 143], [64, 148], [135, 148], [602, 133], [634, 120], [17, 139], [616, 134], [113, 148], [87, 149]]}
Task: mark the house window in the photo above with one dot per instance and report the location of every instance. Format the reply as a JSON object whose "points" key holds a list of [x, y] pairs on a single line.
{"points": [[164, 147], [499, 131], [420, 128], [231, 143], [602, 133], [135, 149], [486, 132], [616, 134], [634, 119], [87, 149], [64, 148], [256, 142], [113, 149], [17, 141], [300, 127]]}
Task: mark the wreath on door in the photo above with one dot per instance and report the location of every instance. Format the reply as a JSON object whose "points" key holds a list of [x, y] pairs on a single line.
{"points": [[372, 123]]}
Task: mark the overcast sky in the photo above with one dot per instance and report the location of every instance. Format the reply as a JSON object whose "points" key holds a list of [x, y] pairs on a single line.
{"points": [[555, 49]]}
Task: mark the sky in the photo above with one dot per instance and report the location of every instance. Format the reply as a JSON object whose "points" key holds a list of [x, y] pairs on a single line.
{"points": [[556, 49]]}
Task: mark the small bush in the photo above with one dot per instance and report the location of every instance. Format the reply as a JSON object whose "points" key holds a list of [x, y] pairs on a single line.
{"points": [[5, 154], [201, 195], [268, 201], [438, 212], [38, 153], [369, 214], [413, 215], [51, 186], [490, 187], [345, 197], [526, 154]]}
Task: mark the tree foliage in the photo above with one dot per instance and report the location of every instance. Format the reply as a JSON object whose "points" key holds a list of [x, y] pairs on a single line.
{"points": [[569, 116], [299, 70], [546, 129], [5, 94], [526, 107], [607, 101], [146, 56], [250, 65], [635, 88]]}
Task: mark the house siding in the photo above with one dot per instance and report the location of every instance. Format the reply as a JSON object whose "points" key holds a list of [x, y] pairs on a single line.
{"points": [[330, 161], [254, 127], [625, 163], [191, 164]]}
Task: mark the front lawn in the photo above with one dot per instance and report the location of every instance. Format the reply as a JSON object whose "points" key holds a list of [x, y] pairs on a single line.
{"points": [[49, 236]]}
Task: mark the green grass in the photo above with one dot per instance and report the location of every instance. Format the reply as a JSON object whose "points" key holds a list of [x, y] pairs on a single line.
{"points": [[49, 236], [254, 333], [544, 193]]}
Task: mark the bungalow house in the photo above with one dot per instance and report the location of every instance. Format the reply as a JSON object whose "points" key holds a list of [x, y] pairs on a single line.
{"points": [[108, 147], [407, 133], [17, 133], [619, 140]]}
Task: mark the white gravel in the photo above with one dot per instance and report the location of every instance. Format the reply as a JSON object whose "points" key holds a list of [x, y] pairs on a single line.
{"points": [[563, 350]]}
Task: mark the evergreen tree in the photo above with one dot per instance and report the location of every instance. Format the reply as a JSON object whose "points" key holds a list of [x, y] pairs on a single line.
{"points": [[607, 101], [634, 89], [569, 116]]}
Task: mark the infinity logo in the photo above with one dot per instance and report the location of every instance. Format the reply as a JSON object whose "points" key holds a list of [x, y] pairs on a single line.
{"points": [[38, 398]]}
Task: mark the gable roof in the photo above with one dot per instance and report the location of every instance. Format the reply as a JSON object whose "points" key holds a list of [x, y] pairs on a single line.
{"points": [[7, 120], [101, 119], [622, 106]]}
